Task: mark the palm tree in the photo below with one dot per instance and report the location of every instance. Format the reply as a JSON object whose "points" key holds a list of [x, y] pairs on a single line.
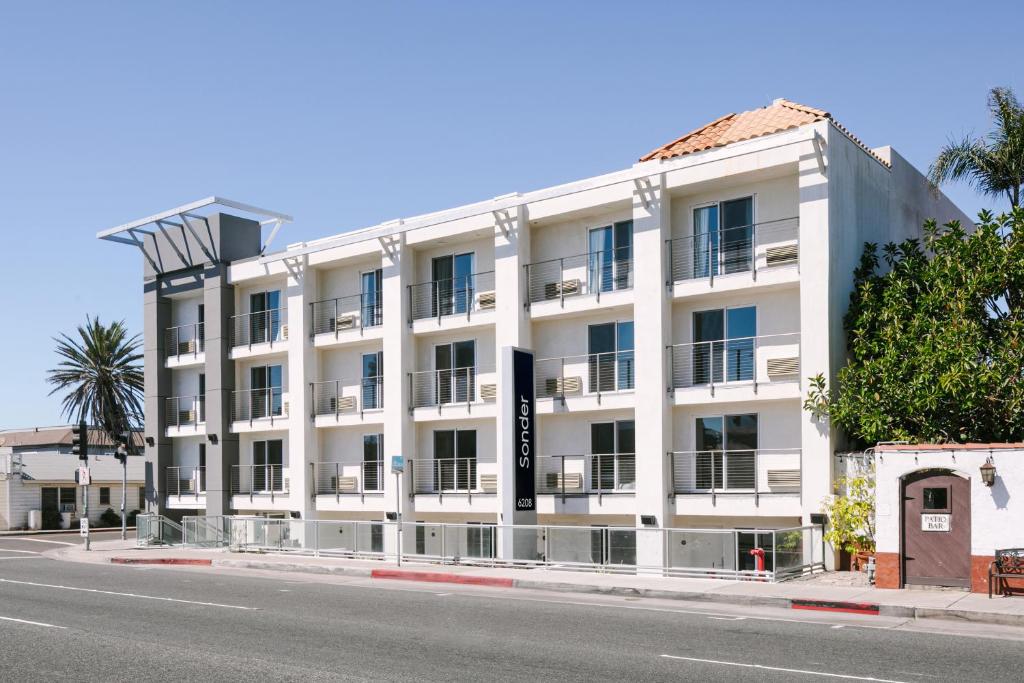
{"points": [[102, 377], [994, 164]]}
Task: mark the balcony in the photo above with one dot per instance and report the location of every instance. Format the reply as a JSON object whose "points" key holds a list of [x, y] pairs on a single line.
{"points": [[589, 381], [743, 368], [184, 345], [347, 319], [749, 474], [462, 389], [349, 478], [185, 415], [454, 303], [267, 481], [580, 282], [258, 333], [447, 476], [258, 409], [735, 257], [185, 487], [341, 402], [586, 474]]}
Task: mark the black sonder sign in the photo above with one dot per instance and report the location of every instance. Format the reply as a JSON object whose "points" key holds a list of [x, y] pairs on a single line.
{"points": [[525, 426]]}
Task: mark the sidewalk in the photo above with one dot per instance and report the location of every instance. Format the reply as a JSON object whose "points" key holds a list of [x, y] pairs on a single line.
{"points": [[941, 604]]}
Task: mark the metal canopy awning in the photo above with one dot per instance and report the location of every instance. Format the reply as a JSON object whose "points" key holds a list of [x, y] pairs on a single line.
{"points": [[189, 217]]}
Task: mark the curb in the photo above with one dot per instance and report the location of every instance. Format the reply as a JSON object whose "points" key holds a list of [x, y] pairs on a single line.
{"points": [[868, 608], [194, 562], [438, 577]]}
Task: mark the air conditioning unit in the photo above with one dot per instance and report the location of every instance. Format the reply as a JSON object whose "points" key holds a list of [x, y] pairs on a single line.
{"points": [[284, 332], [284, 409], [344, 484], [782, 367], [488, 392], [186, 347], [186, 417], [489, 483], [340, 404], [573, 481], [784, 479], [560, 386], [777, 256], [485, 300], [554, 290]]}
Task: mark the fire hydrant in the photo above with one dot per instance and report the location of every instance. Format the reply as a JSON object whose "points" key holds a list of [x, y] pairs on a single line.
{"points": [[758, 554]]}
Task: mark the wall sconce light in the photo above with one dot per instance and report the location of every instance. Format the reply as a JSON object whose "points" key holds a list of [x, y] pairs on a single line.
{"points": [[648, 520], [212, 438], [150, 441], [988, 473]]}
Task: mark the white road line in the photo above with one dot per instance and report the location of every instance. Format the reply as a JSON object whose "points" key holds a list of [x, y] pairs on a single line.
{"points": [[777, 668], [31, 623], [20, 557], [26, 552], [39, 540], [128, 595], [728, 618]]}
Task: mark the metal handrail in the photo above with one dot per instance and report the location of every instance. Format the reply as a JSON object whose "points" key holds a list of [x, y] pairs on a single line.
{"points": [[184, 340], [258, 480], [256, 404], [331, 478], [451, 296], [330, 397], [190, 480], [591, 373], [428, 388], [586, 473], [447, 475], [258, 327], [733, 361], [730, 250], [593, 272], [354, 311], [183, 411], [736, 470]]}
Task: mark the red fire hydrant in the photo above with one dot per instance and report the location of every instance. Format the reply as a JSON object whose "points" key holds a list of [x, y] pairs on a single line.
{"points": [[758, 554]]}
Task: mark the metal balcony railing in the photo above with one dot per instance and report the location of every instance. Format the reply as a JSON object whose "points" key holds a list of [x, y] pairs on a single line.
{"points": [[741, 249], [184, 340], [450, 387], [185, 411], [453, 475], [250, 480], [751, 471], [260, 327], [584, 474], [258, 404], [767, 358], [348, 478], [591, 273], [185, 481], [592, 373], [339, 396], [356, 311], [454, 296]]}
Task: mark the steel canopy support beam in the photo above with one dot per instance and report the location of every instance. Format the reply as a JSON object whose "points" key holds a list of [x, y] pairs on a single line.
{"points": [[163, 231], [142, 247], [202, 245], [277, 223]]}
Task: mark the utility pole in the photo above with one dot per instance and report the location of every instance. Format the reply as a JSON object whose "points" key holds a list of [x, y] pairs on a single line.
{"points": [[122, 455]]}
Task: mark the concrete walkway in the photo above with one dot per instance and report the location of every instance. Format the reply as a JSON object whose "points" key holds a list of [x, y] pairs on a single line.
{"points": [[804, 594]]}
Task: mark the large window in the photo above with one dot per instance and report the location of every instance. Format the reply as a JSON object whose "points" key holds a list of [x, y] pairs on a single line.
{"points": [[455, 459], [372, 297], [104, 495], [268, 466], [723, 237], [266, 397], [373, 462], [726, 450], [610, 257], [453, 283], [59, 499], [610, 356], [455, 372], [372, 382], [613, 458], [265, 318], [724, 345]]}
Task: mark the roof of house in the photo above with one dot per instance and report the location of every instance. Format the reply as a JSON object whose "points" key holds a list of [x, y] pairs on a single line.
{"points": [[54, 436], [780, 115]]}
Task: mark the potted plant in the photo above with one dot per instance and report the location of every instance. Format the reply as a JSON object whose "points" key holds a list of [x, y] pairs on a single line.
{"points": [[851, 515]]}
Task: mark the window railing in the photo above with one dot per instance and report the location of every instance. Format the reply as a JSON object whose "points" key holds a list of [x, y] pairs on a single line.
{"points": [[250, 480], [258, 404], [349, 478], [751, 471], [453, 475], [450, 387], [353, 312], [592, 373], [259, 327], [595, 272], [184, 340], [767, 358], [741, 249], [339, 396], [185, 481], [185, 411], [584, 474], [453, 296]]}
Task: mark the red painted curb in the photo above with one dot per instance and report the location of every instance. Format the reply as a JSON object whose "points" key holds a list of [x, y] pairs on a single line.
{"points": [[869, 608], [435, 577], [161, 560]]}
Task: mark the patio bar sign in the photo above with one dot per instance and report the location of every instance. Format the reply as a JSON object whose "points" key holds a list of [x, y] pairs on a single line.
{"points": [[935, 523], [524, 431]]}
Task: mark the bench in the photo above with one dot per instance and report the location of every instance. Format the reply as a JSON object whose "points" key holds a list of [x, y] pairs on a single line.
{"points": [[1009, 564]]}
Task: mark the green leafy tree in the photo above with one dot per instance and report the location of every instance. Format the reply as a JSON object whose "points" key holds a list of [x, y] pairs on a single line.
{"points": [[994, 164], [936, 343], [100, 376]]}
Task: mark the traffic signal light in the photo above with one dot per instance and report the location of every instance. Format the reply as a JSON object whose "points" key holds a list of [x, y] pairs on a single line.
{"points": [[80, 440], [124, 446]]}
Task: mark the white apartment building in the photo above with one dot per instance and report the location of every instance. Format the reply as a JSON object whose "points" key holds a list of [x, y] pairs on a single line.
{"points": [[674, 310]]}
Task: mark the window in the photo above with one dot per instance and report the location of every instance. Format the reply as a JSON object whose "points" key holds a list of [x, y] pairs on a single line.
{"points": [[480, 540], [142, 498], [610, 257], [372, 298], [62, 499], [372, 382], [104, 495], [453, 284], [267, 460], [265, 399], [202, 467], [610, 356], [455, 372], [724, 345], [373, 462], [202, 398], [454, 459], [935, 499], [726, 452], [723, 237], [613, 461], [265, 316]]}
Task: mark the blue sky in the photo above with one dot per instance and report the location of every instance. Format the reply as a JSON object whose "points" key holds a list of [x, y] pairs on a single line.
{"points": [[346, 114]]}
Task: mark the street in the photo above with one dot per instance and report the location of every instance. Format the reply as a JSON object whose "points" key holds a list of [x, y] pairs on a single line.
{"points": [[105, 622]]}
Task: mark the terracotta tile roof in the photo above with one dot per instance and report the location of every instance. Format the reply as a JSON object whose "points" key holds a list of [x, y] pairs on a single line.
{"points": [[779, 116]]}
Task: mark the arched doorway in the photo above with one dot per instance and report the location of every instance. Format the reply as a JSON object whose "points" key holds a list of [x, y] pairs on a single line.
{"points": [[936, 538]]}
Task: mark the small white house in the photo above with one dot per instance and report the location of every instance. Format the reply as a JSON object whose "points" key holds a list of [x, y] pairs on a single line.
{"points": [[943, 511]]}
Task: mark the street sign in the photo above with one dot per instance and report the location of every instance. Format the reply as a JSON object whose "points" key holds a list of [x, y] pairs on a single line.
{"points": [[83, 476], [83, 526], [935, 523], [397, 464], [524, 418]]}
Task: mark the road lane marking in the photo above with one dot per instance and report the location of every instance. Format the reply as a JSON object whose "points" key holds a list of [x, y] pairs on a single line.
{"points": [[39, 540], [128, 595], [21, 557], [26, 552], [31, 623], [777, 668], [728, 618]]}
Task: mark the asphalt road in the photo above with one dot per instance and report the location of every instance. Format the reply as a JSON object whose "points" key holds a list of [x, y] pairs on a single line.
{"points": [[110, 623]]}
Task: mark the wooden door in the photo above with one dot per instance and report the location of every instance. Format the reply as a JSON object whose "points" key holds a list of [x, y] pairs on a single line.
{"points": [[936, 529]]}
